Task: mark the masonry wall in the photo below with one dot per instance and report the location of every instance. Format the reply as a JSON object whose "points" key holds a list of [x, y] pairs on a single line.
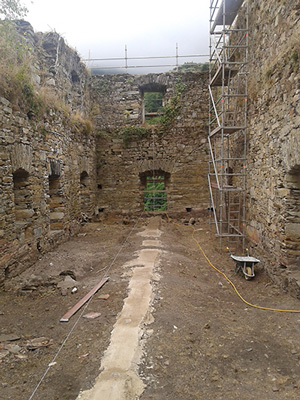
{"points": [[178, 149], [273, 195], [35, 157], [47, 161]]}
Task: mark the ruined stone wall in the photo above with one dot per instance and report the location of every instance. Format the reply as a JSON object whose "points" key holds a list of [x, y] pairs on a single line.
{"points": [[178, 149], [273, 195], [47, 157], [47, 180], [57, 68]]}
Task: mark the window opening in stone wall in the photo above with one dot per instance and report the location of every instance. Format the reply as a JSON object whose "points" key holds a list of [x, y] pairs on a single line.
{"points": [[154, 190], [75, 77], [292, 221], [153, 106], [153, 102], [56, 203], [23, 201]]}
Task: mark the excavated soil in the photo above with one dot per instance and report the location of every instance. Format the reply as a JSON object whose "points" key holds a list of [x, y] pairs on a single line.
{"points": [[200, 342]]}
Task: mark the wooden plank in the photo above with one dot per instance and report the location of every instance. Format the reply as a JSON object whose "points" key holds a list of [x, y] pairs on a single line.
{"points": [[74, 309]]}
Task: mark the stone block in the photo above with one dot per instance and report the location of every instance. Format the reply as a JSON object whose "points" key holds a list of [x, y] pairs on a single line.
{"points": [[22, 214], [37, 232], [56, 215], [4, 101], [292, 230], [283, 192], [252, 234]]}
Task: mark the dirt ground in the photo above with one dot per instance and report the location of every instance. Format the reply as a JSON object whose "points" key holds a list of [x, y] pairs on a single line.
{"points": [[203, 343]]}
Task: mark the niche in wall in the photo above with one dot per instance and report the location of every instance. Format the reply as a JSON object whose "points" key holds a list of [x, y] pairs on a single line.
{"points": [[85, 193], [22, 201], [56, 198], [292, 218]]}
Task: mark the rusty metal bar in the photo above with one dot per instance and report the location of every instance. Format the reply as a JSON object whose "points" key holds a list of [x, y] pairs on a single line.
{"points": [[74, 309]]}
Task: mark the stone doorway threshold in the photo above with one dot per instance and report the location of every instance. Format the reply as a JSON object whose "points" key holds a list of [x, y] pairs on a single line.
{"points": [[118, 379]]}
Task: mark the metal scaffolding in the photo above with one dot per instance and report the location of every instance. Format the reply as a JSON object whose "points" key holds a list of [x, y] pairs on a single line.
{"points": [[228, 117]]}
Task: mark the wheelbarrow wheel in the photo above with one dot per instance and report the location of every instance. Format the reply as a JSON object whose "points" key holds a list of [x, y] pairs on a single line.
{"points": [[248, 271]]}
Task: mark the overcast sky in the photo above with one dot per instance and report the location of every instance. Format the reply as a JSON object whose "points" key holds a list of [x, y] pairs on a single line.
{"points": [[101, 29]]}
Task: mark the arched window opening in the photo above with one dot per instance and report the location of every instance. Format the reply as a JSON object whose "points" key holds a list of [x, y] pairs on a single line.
{"points": [[292, 225], [22, 200], [155, 190], [56, 203], [84, 179]]}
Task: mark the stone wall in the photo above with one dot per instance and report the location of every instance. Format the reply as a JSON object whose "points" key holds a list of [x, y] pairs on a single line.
{"points": [[178, 149], [56, 68], [273, 195], [45, 170], [47, 158]]}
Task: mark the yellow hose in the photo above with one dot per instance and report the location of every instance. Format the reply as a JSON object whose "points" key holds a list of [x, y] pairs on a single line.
{"points": [[231, 283]]}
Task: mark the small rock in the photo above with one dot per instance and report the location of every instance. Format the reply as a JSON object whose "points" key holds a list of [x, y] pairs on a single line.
{"points": [[21, 356], [13, 348], [36, 343], [275, 389], [84, 355], [103, 296], [52, 364], [9, 337], [92, 315], [206, 326], [3, 353], [67, 283]]}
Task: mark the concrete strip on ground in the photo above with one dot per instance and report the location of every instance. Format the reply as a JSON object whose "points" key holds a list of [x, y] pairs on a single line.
{"points": [[119, 379]]}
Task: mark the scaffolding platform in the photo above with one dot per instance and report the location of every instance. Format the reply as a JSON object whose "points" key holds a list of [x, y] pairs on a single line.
{"points": [[226, 13], [226, 187], [229, 72], [227, 130]]}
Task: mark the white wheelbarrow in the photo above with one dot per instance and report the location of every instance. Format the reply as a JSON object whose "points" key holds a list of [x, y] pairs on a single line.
{"points": [[244, 264]]}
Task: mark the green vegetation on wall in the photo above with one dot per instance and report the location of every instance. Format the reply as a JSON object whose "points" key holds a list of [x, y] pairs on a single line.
{"points": [[133, 132]]}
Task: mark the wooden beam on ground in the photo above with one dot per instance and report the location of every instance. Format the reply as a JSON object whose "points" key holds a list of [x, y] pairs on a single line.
{"points": [[81, 302]]}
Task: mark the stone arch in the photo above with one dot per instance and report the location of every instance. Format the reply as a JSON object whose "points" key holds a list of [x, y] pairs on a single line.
{"points": [[292, 217], [153, 79], [153, 87], [160, 164], [22, 202]]}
